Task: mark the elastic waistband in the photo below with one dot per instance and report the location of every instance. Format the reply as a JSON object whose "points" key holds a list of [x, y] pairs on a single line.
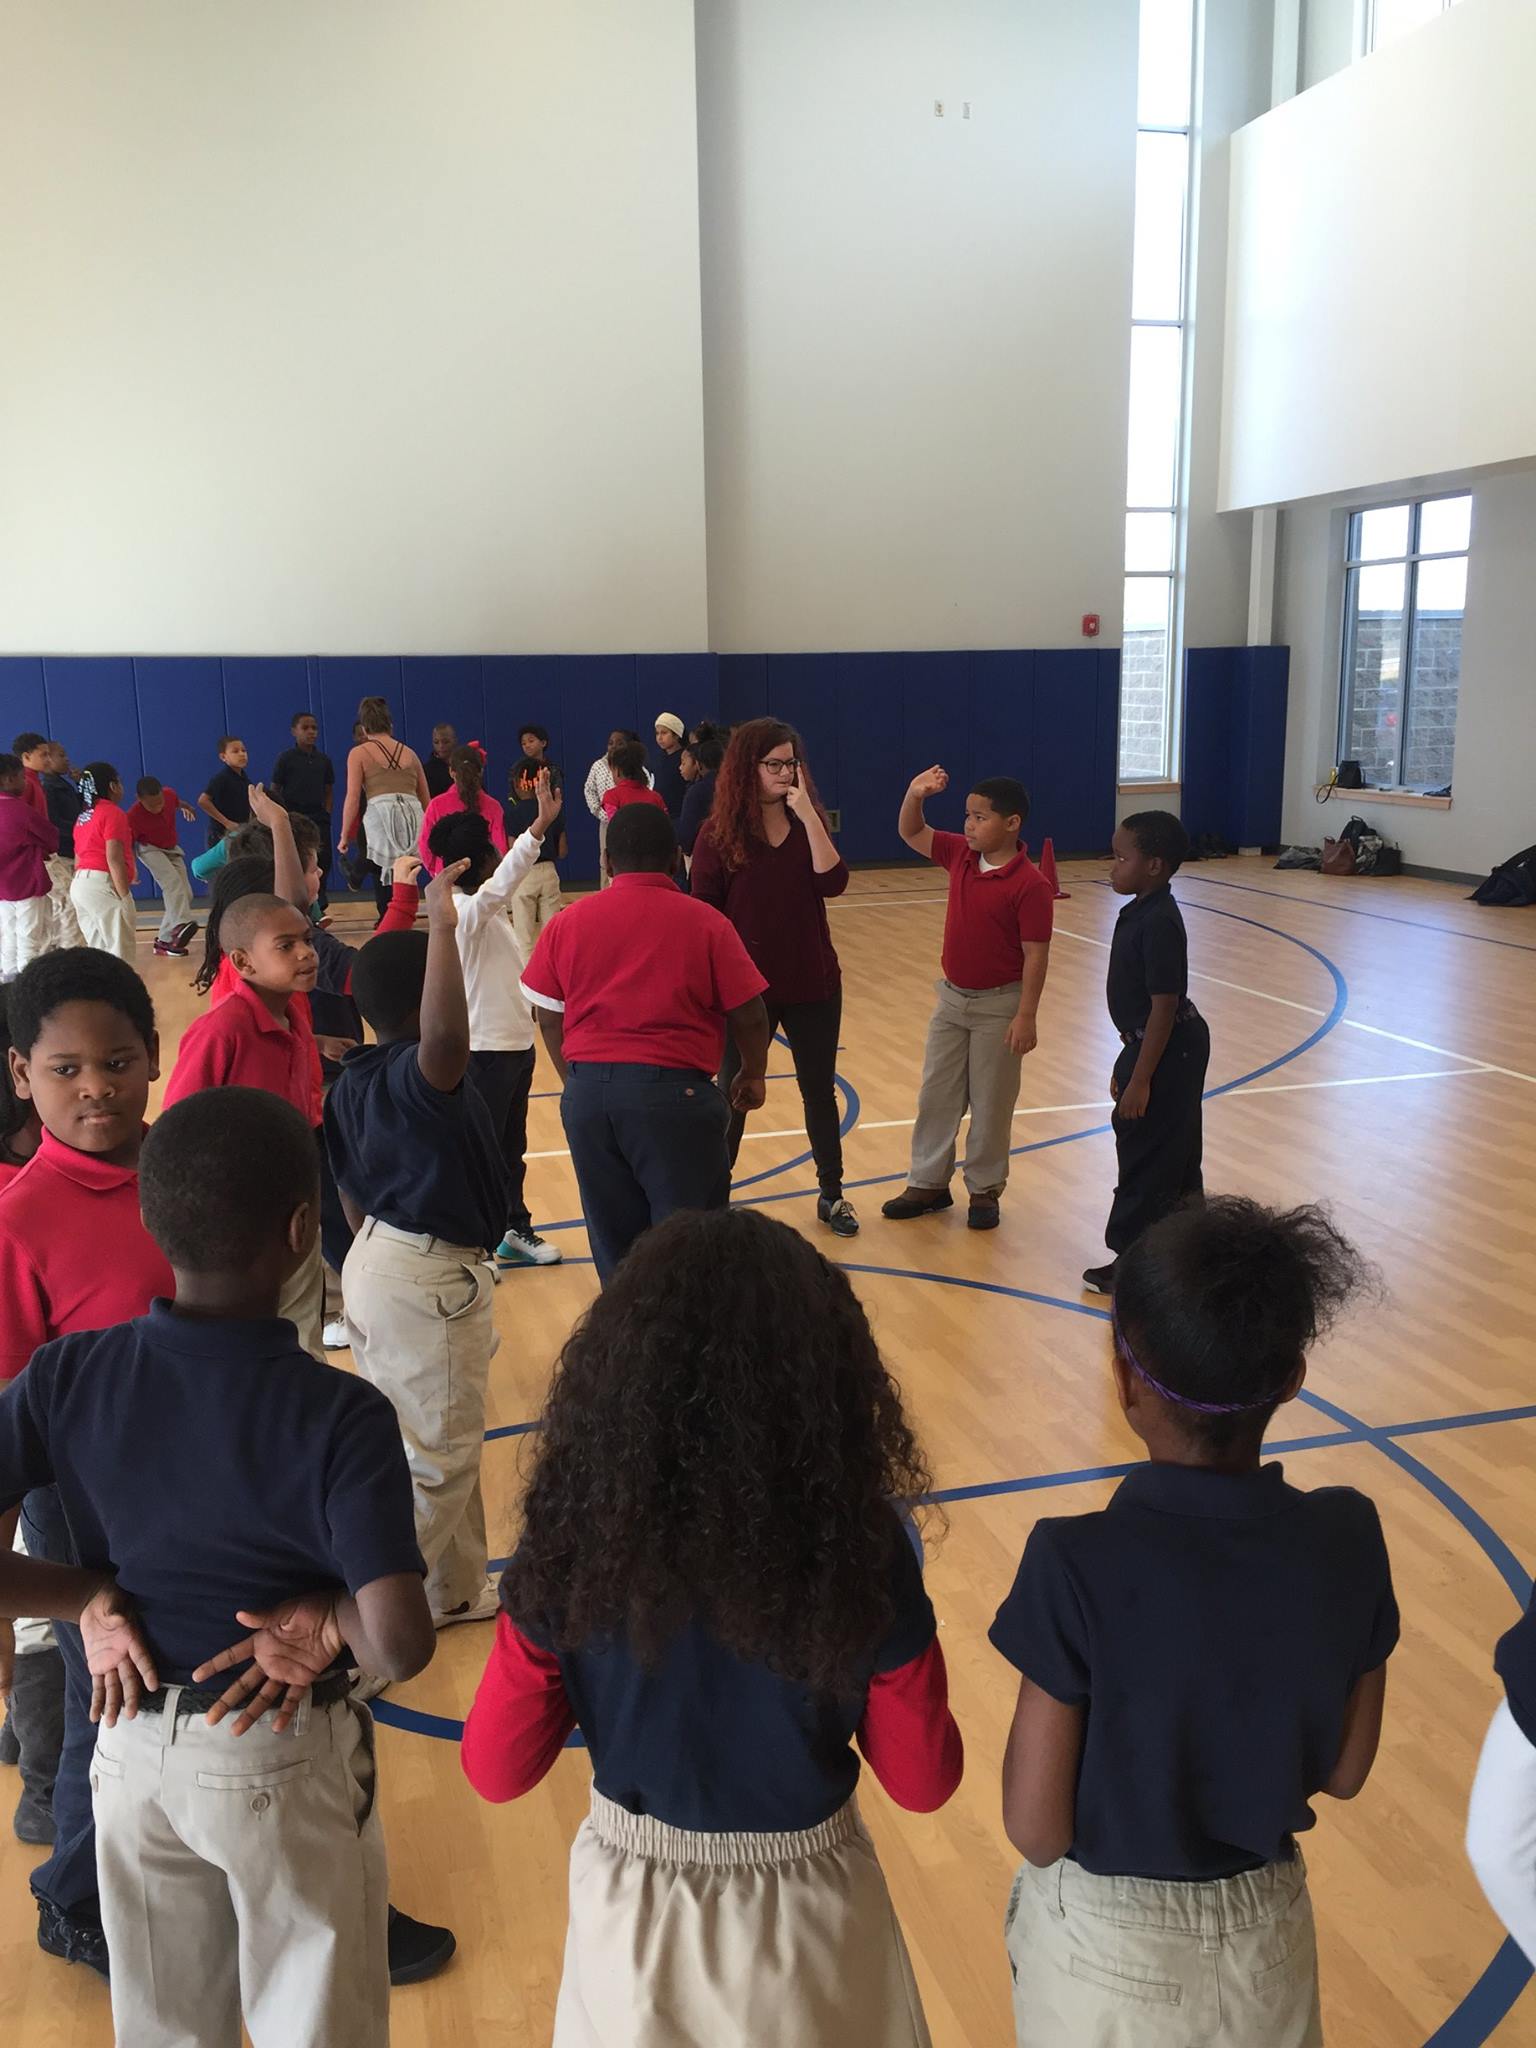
{"points": [[1219, 1906], [628, 1070], [641, 1834], [423, 1241]]}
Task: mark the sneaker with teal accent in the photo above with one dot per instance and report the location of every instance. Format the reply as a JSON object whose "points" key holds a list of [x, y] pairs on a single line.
{"points": [[523, 1248]]}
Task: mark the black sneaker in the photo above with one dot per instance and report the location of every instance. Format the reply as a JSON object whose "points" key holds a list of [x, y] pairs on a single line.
{"points": [[917, 1202], [1100, 1279], [416, 1950], [839, 1213], [72, 1937]]}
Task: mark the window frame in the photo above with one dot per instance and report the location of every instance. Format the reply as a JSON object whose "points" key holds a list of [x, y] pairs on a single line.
{"points": [[1366, 31], [1410, 561]]}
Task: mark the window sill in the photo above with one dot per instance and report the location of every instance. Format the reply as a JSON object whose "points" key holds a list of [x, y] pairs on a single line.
{"points": [[1147, 788], [1388, 796]]}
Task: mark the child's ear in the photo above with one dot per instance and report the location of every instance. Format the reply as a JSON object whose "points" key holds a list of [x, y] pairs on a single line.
{"points": [[303, 1222], [1294, 1384], [240, 960], [18, 1063], [153, 1048]]}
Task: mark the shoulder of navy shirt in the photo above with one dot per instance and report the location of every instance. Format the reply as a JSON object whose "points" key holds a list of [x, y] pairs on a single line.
{"points": [[706, 1741], [1214, 1625], [411, 1155], [213, 1465]]}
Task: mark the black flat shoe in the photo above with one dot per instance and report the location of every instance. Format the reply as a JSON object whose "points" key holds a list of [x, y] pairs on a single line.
{"points": [[917, 1202], [984, 1213], [72, 1937], [416, 1949], [1100, 1279], [839, 1214]]}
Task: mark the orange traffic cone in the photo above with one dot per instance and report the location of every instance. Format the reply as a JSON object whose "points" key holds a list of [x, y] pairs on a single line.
{"points": [[1048, 869]]}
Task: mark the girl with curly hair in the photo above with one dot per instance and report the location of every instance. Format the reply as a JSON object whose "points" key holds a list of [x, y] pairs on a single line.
{"points": [[766, 859], [714, 1582]]}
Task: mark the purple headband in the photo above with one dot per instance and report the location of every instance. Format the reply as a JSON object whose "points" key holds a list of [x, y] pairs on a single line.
{"points": [[1183, 1400]]}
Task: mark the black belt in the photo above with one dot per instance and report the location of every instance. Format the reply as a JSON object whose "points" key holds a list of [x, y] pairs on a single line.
{"points": [[201, 1699], [1186, 1013]]}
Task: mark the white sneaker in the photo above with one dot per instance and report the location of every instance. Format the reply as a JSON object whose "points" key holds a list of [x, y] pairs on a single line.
{"points": [[525, 1248], [485, 1608], [336, 1336]]}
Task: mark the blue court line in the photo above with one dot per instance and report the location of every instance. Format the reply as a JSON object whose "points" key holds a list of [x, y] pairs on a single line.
{"points": [[1348, 910]]}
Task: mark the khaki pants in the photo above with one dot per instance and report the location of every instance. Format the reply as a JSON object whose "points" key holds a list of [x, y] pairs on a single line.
{"points": [[536, 902], [1103, 1961], [967, 1065], [243, 1873], [106, 919], [741, 1941], [66, 926], [302, 1301], [420, 1315], [25, 925], [168, 865]]}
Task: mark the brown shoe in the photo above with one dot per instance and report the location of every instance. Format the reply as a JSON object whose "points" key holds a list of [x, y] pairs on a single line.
{"points": [[983, 1214], [917, 1202]]}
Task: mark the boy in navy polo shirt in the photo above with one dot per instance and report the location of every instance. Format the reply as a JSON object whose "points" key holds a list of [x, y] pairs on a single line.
{"points": [[635, 988], [418, 1162], [226, 801], [238, 1870], [997, 947], [303, 781], [1198, 1661], [1159, 1078]]}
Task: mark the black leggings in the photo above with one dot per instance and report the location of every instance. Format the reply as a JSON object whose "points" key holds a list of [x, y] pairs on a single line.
{"points": [[811, 1030], [504, 1079]]}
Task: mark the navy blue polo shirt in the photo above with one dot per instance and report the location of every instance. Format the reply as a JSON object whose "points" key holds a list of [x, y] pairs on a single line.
{"points": [[1148, 956], [300, 780], [1515, 1661], [412, 1156], [213, 1465], [703, 1740], [1213, 1626]]}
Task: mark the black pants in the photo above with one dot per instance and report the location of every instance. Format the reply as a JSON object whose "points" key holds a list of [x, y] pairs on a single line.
{"points": [[811, 1032], [68, 1878], [1158, 1154], [504, 1079], [645, 1142]]}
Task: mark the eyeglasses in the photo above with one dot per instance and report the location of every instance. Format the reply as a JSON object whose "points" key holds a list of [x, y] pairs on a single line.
{"points": [[781, 767]]}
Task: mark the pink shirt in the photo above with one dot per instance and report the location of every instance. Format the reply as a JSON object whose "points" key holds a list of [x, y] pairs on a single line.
{"points": [[444, 806]]}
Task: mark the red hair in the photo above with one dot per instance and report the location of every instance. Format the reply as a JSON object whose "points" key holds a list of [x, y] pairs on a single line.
{"points": [[736, 816]]}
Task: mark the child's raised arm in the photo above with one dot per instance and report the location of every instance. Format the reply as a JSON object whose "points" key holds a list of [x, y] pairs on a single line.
{"points": [[443, 1052], [287, 869]]}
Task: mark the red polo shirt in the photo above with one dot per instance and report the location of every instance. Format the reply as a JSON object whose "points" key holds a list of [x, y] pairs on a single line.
{"points": [[74, 1253], [34, 793], [155, 828], [240, 1044], [623, 793], [644, 974], [992, 915], [102, 822]]}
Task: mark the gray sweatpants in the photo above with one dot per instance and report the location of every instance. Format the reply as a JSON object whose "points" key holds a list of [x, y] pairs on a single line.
{"points": [[967, 1065]]}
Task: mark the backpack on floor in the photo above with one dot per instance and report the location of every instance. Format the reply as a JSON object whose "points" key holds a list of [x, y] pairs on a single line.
{"points": [[1361, 850], [1512, 882]]}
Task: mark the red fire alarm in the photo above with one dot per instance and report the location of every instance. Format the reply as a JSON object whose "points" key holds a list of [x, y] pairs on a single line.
{"points": [[1090, 625]]}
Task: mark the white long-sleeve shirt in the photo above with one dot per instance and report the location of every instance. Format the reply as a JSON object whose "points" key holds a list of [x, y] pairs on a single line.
{"points": [[1501, 1827], [499, 1017]]}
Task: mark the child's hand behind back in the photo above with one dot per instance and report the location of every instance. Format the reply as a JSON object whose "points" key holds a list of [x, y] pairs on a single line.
{"points": [[442, 908]]}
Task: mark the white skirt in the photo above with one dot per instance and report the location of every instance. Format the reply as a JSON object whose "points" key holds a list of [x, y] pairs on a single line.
{"points": [[391, 826], [681, 1940]]}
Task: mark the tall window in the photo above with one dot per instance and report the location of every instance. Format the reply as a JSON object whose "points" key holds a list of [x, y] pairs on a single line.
{"points": [[1386, 20], [1405, 592], [1159, 285]]}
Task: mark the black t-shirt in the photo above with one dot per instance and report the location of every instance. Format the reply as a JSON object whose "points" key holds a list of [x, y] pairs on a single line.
{"points": [[439, 775], [300, 781], [213, 1465], [520, 812], [667, 774], [705, 1741], [1213, 1626], [405, 1152], [228, 790], [1149, 956], [1515, 1662]]}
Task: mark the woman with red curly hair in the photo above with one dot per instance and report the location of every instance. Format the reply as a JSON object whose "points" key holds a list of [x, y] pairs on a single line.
{"points": [[766, 859]]}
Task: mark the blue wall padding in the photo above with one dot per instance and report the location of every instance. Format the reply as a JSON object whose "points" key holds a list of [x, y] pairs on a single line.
{"points": [[868, 721], [1234, 742]]}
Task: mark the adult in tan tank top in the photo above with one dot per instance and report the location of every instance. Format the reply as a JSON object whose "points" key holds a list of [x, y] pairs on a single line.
{"points": [[390, 775]]}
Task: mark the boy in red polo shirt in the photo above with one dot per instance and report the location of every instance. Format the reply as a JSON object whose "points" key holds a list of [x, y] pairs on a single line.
{"points": [[634, 989], [152, 822], [997, 946], [259, 1037]]}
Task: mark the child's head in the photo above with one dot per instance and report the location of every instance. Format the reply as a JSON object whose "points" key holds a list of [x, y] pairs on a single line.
{"points": [[373, 715], [627, 760], [533, 739], [233, 752], [722, 1442], [995, 811], [269, 943], [19, 1126], [305, 728], [84, 1049], [229, 1185], [13, 777], [619, 735], [670, 732], [467, 767], [388, 977], [58, 761], [1214, 1310], [640, 841], [702, 754], [444, 740], [99, 781], [33, 749], [149, 793], [243, 874], [464, 835], [1147, 848]]}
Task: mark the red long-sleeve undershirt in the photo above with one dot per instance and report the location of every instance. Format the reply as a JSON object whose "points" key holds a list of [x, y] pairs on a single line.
{"points": [[521, 1718]]}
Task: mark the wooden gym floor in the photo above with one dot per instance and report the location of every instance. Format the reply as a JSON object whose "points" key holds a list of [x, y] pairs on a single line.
{"points": [[1374, 1043]]}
